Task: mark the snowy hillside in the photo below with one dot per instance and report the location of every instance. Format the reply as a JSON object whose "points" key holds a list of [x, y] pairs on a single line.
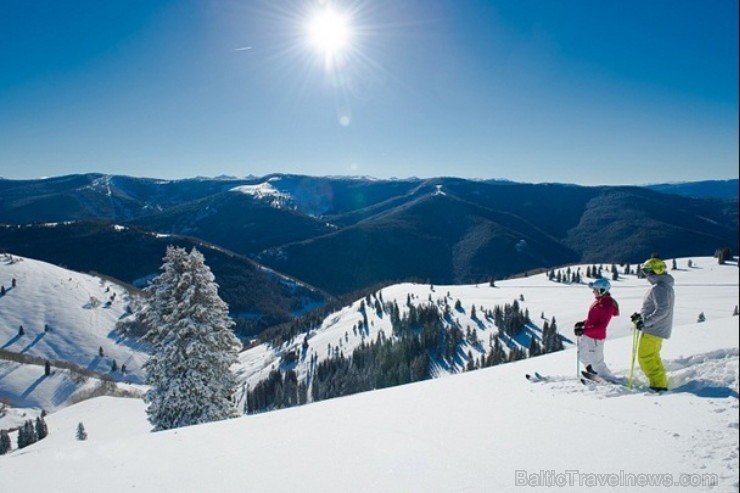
{"points": [[266, 192], [66, 317], [705, 287], [481, 431]]}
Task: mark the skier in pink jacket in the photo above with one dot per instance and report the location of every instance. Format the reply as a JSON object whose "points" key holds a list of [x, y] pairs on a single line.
{"points": [[593, 330]]}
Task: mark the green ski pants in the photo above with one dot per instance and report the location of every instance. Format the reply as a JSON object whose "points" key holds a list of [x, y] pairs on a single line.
{"points": [[648, 354]]}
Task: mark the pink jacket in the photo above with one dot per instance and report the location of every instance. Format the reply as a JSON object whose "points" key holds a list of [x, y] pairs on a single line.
{"points": [[599, 315]]}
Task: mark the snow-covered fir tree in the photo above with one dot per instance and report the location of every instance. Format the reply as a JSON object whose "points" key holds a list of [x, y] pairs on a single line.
{"points": [[193, 345]]}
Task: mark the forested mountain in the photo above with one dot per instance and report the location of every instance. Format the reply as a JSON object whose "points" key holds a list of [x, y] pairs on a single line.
{"points": [[437, 238], [257, 297], [342, 234], [719, 189]]}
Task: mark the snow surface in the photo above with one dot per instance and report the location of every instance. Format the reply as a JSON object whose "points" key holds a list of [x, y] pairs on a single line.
{"points": [[81, 312], [481, 431], [265, 191], [706, 287]]}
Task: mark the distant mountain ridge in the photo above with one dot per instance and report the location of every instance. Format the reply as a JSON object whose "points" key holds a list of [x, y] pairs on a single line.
{"points": [[341, 234], [257, 297], [718, 189]]}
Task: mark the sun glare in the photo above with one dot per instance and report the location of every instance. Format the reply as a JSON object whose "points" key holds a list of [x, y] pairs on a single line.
{"points": [[329, 32]]}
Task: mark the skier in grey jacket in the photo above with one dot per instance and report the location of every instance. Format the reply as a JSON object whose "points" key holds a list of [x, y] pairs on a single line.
{"points": [[656, 322]]}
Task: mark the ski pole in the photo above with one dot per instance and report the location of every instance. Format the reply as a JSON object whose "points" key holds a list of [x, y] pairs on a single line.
{"points": [[578, 356], [635, 344]]}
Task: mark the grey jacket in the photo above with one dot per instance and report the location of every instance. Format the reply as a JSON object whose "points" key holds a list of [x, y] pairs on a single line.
{"points": [[657, 307]]}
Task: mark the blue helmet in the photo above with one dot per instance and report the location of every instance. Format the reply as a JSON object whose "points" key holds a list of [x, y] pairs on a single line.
{"points": [[601, 285]]}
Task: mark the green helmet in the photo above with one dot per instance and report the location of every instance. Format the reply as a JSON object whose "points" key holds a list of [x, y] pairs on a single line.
{"points": [[654, 266]]}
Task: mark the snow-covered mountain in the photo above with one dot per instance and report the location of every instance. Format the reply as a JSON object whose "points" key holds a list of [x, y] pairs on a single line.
{"points": [[545, 300], [345, 234], [48, 313], [480, 431]]}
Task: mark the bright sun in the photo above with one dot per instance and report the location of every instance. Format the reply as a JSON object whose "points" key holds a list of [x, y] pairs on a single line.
{"points": [[330, 33]]}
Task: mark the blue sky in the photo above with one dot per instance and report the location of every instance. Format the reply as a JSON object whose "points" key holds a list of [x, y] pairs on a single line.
{"points": [[588, 92]]}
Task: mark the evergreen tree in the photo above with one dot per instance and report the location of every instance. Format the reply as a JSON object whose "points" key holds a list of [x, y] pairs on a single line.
{"points": [[471, 362], [81, 433], [534, 348], [47, 369], [723, 255], [701, 317], [27, 434], [735, 312], [5, 443], [42, 430], [193, 345]]}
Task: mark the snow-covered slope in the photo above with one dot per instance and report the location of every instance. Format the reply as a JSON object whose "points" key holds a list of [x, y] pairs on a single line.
{"points": [[482, 431], [66, 317], [702, 286]]}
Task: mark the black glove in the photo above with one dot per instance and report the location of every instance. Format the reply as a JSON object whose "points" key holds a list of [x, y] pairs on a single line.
{"points": [[637, 320], [578, 329]]}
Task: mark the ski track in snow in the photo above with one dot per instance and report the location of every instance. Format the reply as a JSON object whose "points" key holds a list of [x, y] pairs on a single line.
{"points": [[467, 432], [711, 376]]}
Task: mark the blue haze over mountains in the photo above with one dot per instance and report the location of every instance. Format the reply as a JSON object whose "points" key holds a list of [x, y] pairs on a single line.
{"points": [[325, 237]]}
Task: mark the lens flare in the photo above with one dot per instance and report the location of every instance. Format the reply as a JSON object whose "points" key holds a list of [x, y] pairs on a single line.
{"points": [[330, 33]]}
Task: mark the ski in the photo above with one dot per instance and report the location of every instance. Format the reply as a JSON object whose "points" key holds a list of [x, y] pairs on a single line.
{"points": [[594, 377], [535, 377], [593, 380]]}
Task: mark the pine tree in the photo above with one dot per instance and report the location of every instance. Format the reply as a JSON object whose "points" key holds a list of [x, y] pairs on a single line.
{"points": [[81, 433], [5, 443], [193, 345], [735, 312], [42, 430], [723, 255], [27, 434], [701, 317]]}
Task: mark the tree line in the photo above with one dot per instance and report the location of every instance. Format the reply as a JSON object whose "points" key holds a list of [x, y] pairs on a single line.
{"points": [[426, 336]]}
